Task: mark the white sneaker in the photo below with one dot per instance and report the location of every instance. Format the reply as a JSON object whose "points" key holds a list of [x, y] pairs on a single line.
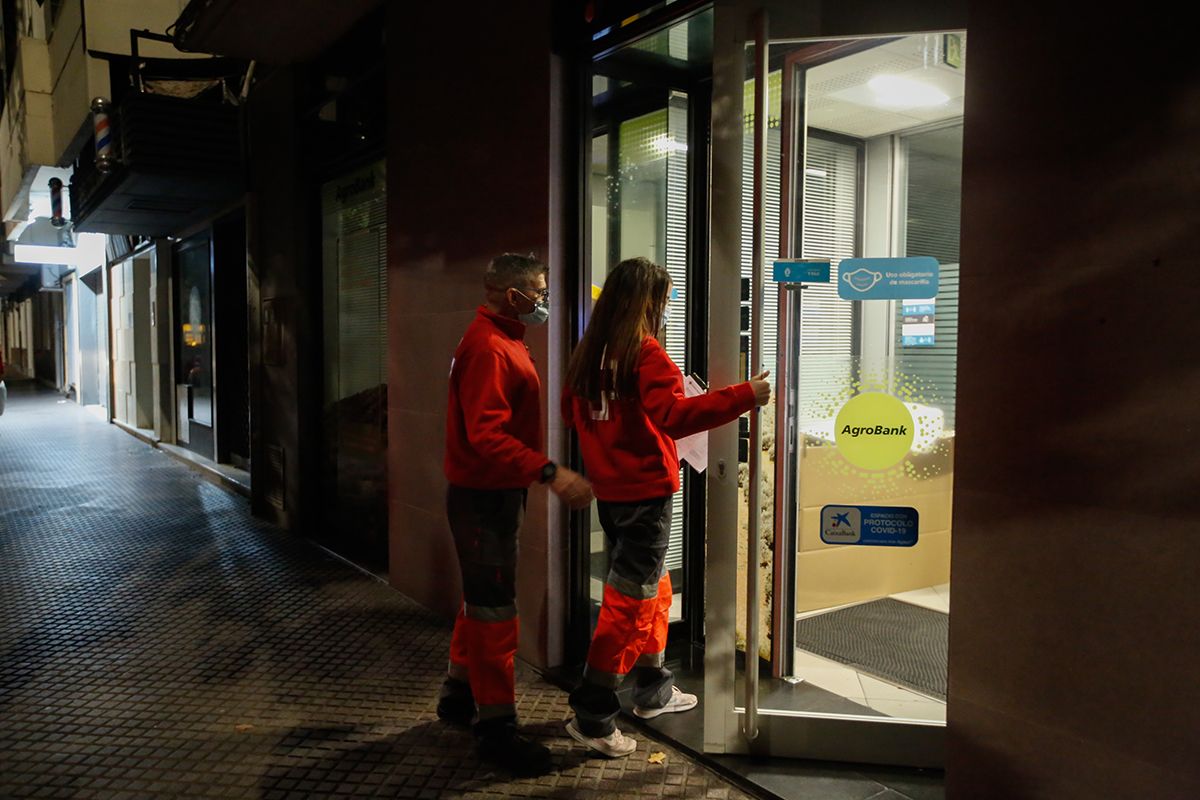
{"points": [[680, 701], [615, 745]]}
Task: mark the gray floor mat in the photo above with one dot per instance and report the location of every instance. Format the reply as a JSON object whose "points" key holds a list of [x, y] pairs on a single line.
{"points": [[896, 641]]}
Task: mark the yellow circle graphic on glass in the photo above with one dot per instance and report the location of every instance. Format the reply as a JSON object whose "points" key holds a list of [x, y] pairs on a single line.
{"points": [[874, 431]]}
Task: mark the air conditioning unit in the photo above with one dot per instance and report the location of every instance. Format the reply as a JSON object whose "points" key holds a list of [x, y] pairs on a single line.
{"points": [[178, 163]]}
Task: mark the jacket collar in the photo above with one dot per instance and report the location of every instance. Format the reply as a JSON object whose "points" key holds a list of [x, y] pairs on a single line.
{"points": [[512, 328]]}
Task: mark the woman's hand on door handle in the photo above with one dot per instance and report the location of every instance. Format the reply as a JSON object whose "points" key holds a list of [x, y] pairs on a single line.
{"points": [[762, 389]]}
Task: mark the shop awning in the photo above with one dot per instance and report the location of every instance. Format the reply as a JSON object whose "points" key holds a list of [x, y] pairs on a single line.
{"points": [[271, 31]]}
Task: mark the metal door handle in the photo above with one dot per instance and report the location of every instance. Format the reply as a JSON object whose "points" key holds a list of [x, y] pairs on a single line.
{"points": [[758, 25]]}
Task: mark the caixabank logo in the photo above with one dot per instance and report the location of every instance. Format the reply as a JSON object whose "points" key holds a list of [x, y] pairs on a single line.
{"points": [[874, 431]]}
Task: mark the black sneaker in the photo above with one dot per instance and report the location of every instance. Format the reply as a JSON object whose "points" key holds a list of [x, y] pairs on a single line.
{"points": [[456, 710], [520, 755], [456, 704]]}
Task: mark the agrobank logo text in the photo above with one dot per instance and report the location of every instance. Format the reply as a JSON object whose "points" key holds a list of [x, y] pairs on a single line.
{"points": [[855, 431]]}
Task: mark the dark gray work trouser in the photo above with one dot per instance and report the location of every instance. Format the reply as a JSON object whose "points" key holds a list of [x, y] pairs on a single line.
{"points": [[485, 524], [631, 634]]}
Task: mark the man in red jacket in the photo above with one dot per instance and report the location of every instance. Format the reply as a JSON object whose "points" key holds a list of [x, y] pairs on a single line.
{"points": [[493, 454]]}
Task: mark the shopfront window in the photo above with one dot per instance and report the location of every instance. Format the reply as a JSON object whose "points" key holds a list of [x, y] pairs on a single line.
{"points": [[194, 345], [354, 242], [927, 343]]}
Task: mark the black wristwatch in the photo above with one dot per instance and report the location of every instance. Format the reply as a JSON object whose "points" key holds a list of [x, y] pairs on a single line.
{"points": [[548, 472]]}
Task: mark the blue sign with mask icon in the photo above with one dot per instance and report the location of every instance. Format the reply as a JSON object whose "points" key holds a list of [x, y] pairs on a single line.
{"points": [[913, 278]]}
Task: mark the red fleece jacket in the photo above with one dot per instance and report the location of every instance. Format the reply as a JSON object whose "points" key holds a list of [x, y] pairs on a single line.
{"points": [[631, 455], [493, 419]]}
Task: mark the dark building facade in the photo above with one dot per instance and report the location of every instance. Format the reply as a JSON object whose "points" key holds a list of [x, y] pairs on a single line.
{"points": [[390, 151]]}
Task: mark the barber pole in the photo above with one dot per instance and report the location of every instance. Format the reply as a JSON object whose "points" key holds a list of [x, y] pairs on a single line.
{"points": [[104, 134], [56, 205]]}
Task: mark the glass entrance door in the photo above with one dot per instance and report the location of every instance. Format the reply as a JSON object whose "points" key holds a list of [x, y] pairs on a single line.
{"points": [[828, 558]]}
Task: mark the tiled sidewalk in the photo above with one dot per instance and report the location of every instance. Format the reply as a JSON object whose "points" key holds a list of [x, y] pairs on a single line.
{"points": [[158, 641]]}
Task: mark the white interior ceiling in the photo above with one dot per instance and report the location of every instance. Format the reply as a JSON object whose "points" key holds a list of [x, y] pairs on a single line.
{"points": [[839, 100]]}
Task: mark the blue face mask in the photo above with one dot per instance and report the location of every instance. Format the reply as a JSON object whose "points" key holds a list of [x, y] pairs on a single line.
{"points": [[666, 314], [540, 313]]}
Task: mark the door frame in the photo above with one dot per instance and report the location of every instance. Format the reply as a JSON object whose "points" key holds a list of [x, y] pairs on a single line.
{"points": [[689, 630]]}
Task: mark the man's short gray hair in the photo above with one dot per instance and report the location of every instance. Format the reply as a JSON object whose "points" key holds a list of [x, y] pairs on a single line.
{"points": [[512, 271]]}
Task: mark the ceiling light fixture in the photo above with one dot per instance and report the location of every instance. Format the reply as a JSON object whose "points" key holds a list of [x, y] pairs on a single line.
{"points": [[894, 91]]}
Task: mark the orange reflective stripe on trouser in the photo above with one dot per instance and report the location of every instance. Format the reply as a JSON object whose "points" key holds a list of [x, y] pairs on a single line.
{"points": [[482, 651], [459, 653], [626, 624], [655, 648], [491, 635]]}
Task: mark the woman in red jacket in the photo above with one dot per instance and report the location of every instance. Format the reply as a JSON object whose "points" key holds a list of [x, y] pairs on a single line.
{"points": [[624, 397]]}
